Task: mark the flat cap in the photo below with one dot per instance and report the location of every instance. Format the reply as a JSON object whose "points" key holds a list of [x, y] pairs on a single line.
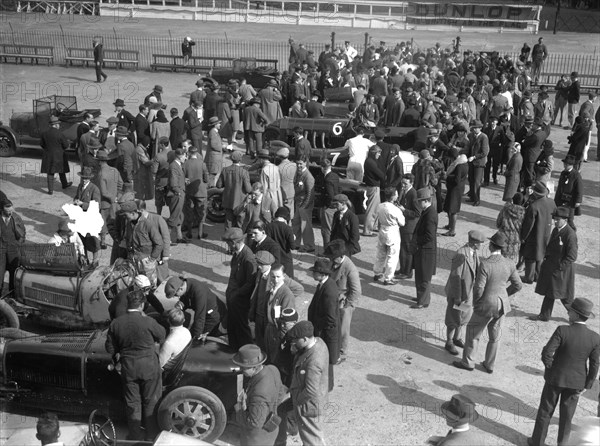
{"points": [[341, 198], [284, 152], [236, 156], [303, 329], [112, 120], [264, 258], [172, 285], [129, 206], [476, 236]]}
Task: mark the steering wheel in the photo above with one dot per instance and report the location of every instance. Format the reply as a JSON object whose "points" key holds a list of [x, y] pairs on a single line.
{"points": [[101, 430], [60, 107]]}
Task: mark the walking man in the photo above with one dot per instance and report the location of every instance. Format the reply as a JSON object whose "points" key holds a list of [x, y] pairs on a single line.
{"points": [[99, 60], [569, 192]]}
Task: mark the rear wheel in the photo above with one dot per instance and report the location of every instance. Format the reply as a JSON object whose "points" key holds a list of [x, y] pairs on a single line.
{"points": [[8, 146], [8, 316], [214, 207]]}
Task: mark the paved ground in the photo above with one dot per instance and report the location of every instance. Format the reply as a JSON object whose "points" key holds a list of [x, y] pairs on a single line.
{"points": [[398, 374]]}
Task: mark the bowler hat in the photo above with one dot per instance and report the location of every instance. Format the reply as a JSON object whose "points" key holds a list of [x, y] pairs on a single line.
{"points": [[249, 355], [498, 239], [233, 235], [119, 103], [121, 131], [158, 88], [322, 266], [569, 159], [172, 285], [561, 212], [303, 329], [582, 306], [476, 236], [54, 120], [424, 194], [460, 409], [264, 258], [86, 173], [335, 248]]}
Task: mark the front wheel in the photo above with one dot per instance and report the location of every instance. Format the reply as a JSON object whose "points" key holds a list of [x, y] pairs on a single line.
{"points": [[214, 206], [193, 411], [8, 146]]}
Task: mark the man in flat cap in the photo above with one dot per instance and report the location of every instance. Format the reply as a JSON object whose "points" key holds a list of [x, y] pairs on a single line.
{"points": [[459, 290], [310, 381], [239, 288]]}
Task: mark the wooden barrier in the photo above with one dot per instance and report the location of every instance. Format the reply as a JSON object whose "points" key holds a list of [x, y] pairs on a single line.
{"points": [[116, 57], [33, 53]]}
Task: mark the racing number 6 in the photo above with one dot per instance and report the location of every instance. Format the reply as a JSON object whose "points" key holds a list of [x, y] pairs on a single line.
{"points": [[337, 129]]}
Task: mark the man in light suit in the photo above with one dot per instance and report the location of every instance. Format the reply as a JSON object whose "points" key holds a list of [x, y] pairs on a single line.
{"points": [[193, 116], [459, 290], [490, 304], [424, 248], [304, 202], [235, 182], [571, 358], [287, 173], [176, 196]]}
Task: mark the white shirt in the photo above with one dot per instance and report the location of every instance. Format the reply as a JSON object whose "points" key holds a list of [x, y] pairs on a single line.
{"points": [[177, 339], [351, 53], [358, 148], [390, 216]]}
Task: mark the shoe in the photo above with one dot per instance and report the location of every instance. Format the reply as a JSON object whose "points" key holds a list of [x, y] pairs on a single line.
{"points": [[538, 317], [460, 365], [446, 227], [469, 200], [528, 282], [341, 359], [403, 276], [69, 184], [104, 79], [376, 277], [487, 369], [189, 235], [451, 349], [449, 234], [390, 282], [476, 203], [458, 343], [418, 306], [183, 240], [50, 192]]}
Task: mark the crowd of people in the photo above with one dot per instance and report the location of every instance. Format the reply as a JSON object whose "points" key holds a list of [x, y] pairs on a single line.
{"points": [[474, 121]]}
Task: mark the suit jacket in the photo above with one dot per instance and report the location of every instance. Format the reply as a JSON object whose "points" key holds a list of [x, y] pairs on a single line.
{"points": [[346, 227], [479, 149], [332, 188], [91, 192], [323, 312], [125, 119], [176, 184], [513, 176], [490, 294], [557, 272], [264, 392], [249, 213], [254, 119], [287, 174], [536, 228], [269, 245], [242, 277], [459, 287], [177, 132], [570, 189], [204, 303], [142, 128], [425, 233], [12, 234], [99, 53], [235, 182], [283, 298], [197, 95], [193, 124], [412, 211], [571, 357], [196, 172], [127, 160], [304, 184], [532, 146], [348, 281]]}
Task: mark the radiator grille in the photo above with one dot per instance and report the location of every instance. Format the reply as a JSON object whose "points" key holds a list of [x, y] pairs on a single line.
{"points": [[50, 298], [72, 342], [45, 378]]}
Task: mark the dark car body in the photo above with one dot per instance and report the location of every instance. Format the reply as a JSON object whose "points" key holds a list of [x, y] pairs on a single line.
{"points": [[247, 68]]}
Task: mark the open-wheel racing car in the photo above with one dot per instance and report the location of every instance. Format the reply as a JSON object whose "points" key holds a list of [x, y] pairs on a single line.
{"points": [[71, 373], [25, 129]]}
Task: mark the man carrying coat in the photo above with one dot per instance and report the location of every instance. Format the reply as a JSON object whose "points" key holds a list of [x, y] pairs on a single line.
{"points": [[490, 304], [571, 358], [557, 273], [424, 248]]}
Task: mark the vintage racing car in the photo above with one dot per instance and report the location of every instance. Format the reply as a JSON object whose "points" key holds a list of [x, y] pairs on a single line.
{"points": [[247, 68], [71, 373], [25, 129]]}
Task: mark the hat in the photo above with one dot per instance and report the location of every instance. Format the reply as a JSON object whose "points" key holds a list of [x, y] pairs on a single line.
{"points": [[119, 103], [340, 198], [172, 285], [322, 266], [249, 355], [142, 281], [158, 88], [63, 226], [476, 236], [236, 157], [375, 149], [289, 315], [282, 212], [561, 212], [253, 101], [424, 194], [379, 133], [303, 329], [193, 149], [128, 206], [272, 83], [582, 306], [284, 152], [574, 74], [476, 123], [460, 127], [199, 83], [54, 120], [335, 248], [569, 159], [263, 153], [423, 154], [213, 120], [86, 173], [233, 235], [498, 239], [264, 258], [460, 409], [527, 94], [112, 120], [126, 196], [121, 131], [540, 188], [94, 143]]}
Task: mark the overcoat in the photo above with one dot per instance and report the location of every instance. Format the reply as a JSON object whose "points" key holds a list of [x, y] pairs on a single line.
{"points": [[54, 144], [557, 273], [536, 228]]}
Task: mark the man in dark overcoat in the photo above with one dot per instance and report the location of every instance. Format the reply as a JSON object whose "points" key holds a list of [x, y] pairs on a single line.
{"points": [[479, 151], [235, 181], [424, 248], [569, 192], [410, 207], [571, 360], [345, 225], [12, 237], [54, 159], [557, 273], [531, 147], [497, 141], [193, 117], [512, 173], [535, 231]]}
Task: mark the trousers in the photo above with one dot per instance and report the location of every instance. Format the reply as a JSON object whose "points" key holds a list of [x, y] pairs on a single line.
{"points": [[309, 429], [568, 404], [175, 219], [475, 329], [373, 200], [406, 258], [548, 306], [303, 229], [388, 247], [532, 270], [345, 322], [326, 224]]}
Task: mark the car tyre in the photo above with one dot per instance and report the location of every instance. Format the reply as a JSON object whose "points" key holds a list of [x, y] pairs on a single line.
{"points": [[214, 206], [271, 135], [8, 146], [193, 411], [8, 316]]}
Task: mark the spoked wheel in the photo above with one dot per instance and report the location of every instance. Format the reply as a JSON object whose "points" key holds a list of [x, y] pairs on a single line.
{"points": [[214, 206], [8, 146], [101, 430]]}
